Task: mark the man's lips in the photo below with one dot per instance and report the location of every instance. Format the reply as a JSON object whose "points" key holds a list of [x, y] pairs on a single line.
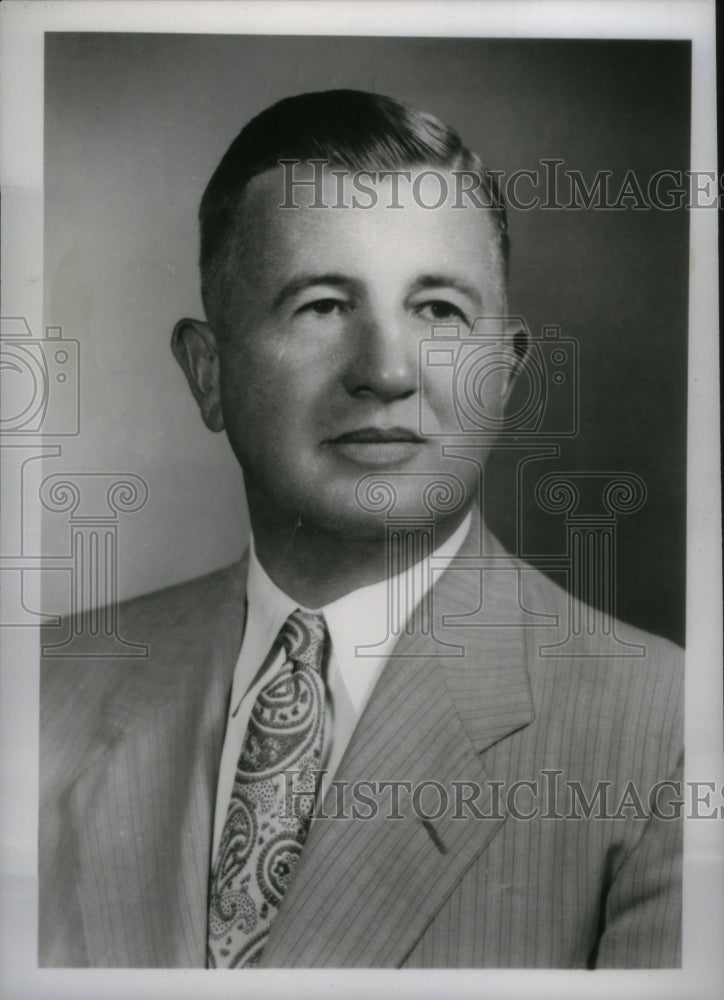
{"points": [[377, 435], [377, 447]]}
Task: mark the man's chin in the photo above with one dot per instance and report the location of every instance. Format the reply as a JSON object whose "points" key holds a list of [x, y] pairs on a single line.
{"points": [[353, 525], [365, 509]]}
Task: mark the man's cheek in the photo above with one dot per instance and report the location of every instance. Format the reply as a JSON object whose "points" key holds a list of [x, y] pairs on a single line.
{"points": [[436, 404]]}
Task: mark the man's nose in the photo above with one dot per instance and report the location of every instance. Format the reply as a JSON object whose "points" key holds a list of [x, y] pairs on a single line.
{"points": [[383, 361]]}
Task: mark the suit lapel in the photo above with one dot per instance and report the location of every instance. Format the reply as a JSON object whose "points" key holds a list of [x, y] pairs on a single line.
{"points": [[144, 807], [366, 888]]}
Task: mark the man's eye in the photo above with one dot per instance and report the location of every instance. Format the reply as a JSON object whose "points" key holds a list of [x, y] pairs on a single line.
{"points": [[438, 309], [325, 307]]}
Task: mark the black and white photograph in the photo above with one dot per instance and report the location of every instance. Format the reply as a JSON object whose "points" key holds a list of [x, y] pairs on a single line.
{"points": [[361, 525]]}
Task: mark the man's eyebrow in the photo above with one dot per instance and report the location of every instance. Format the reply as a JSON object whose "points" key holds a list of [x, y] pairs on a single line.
{"points": [[298, 284], [428, 281]]}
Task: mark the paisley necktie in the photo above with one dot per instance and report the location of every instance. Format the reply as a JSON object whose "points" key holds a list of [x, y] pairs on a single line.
{"points": [[265, 826]]}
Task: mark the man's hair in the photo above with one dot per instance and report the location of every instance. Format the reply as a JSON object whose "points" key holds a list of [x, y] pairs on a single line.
{"points": [[346, 128]]}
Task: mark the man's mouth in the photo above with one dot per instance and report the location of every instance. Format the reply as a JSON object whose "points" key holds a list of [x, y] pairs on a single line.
{"points": [[377, 446], [376, 435]]}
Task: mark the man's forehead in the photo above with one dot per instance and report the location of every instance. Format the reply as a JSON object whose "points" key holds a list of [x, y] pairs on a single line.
{"points": [[310, 183], [428, 198]]}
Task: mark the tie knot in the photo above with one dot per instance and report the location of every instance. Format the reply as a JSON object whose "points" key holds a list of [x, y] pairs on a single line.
{"points": [[303, 635]]}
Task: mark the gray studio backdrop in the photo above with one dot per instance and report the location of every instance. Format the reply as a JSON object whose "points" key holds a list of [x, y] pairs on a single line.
{"points": [[135, 124]]}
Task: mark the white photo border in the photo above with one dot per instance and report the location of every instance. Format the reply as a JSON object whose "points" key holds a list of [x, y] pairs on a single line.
{"points": [[21, 155]]}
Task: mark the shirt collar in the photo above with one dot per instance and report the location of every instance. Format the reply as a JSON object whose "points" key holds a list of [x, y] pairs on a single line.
{"points": [[357, 622]]}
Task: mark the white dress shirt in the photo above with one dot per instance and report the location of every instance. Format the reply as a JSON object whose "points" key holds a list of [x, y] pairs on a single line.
{"points": [[356, 622]]}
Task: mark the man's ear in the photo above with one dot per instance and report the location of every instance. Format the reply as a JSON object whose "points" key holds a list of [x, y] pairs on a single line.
{"points": [[518, 339], [194, 346]]}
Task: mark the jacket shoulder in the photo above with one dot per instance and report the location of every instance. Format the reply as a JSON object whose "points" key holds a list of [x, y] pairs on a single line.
{"points": [[75, 687], [143, 619], [586, 632], [626, 684]]}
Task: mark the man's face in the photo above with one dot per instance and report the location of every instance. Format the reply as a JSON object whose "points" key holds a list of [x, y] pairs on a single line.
{"points": [[320, 352]]}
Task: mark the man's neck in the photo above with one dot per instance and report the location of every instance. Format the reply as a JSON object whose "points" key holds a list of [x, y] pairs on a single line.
{"points": [[315, 567]]}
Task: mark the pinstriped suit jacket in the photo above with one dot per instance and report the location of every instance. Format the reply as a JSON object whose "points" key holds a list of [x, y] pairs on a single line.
{"points": [[130, 753]]}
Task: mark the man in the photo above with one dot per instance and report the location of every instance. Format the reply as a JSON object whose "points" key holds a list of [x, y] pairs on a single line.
{"points": [[346, 750]]}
